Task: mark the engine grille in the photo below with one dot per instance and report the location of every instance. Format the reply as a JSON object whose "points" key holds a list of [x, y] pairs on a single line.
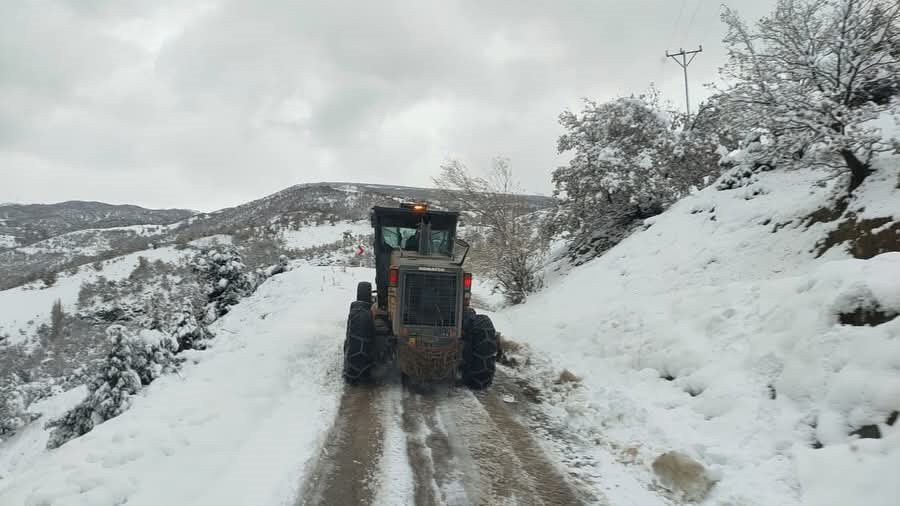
{"points": [[429, 299]]}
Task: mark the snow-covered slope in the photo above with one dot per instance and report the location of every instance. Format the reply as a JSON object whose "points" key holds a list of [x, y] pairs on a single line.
{"points": [[715, 332], [24, 308], [311, 236], [236, 426]]}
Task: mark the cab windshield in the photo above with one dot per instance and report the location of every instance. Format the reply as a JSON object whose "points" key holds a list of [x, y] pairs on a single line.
{"points": [[407, 239]]}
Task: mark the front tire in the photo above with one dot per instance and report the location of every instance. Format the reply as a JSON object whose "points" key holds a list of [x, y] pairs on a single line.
{"points": [[359, 358], [479, 352]]}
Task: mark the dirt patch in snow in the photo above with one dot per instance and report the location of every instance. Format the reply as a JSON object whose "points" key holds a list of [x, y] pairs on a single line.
{"points": [[864, 238]]}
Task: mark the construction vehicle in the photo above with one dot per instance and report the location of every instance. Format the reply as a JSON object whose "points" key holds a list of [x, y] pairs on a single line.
{"points": [[419, 318]]}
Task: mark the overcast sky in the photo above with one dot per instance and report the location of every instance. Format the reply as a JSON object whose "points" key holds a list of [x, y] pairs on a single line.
{"points": [[208, 104]]}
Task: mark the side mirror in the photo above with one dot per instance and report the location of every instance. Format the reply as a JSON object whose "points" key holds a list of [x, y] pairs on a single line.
{"points": [[460, 250]]}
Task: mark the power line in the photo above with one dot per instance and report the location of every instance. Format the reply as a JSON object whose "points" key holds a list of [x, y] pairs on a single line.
{"points": [[709, 27], [691, 22], [678, 19], [684, 62]]}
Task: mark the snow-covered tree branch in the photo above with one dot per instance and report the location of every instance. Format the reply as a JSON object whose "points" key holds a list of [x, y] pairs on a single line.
{"points": [[810, 78]]}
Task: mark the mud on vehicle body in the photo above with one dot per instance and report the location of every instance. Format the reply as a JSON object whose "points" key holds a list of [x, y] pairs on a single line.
{"points": [[418, 318]]}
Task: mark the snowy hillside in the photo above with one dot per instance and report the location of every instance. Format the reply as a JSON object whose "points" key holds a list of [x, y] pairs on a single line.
{"points": [[719, 332], [236, 426]]}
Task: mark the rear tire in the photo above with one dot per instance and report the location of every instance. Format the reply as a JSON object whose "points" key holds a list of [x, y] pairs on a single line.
{"points": [[364, 292], [359, 358], [479, 352]]}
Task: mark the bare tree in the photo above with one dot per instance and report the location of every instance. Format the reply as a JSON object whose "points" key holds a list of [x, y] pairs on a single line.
{"points": [[511, 249]]}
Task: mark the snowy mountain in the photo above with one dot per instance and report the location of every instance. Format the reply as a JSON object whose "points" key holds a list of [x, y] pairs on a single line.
{"points": [[24, 224]]}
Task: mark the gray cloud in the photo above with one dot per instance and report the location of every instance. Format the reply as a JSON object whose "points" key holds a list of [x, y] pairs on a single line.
{"points": [[217, 103]]}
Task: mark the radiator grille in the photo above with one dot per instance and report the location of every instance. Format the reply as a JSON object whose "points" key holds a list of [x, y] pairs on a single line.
{"points": [[429, 299]]}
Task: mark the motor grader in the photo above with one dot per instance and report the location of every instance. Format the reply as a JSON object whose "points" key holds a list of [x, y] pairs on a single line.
{"points": [[419, 318]]}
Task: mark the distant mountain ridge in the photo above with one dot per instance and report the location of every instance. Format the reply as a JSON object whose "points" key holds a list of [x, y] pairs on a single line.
{"points": [[90, 231], [31, 223]]}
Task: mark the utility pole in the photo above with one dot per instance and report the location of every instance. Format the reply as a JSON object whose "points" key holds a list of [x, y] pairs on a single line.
{"points": [[684, 62]]}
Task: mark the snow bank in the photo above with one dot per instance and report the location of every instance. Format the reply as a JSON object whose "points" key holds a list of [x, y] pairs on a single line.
{"points": [[716, 332], [236, 427]]}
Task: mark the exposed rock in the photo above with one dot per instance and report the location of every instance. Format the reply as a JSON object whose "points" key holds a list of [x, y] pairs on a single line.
{"points": [[866, 316], [683, 476], [863, 238], [867, 432]]}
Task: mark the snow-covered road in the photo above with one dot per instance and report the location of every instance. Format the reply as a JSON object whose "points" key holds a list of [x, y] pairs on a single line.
{"points": [[263, 417]]}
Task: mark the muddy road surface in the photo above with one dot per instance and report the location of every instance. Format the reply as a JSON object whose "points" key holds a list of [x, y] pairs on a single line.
{"points": [[393, 444]]}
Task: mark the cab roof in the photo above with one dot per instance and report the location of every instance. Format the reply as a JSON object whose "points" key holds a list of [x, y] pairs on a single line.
{"points": [[402, 217]]}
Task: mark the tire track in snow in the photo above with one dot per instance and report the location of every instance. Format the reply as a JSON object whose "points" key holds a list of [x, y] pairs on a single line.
{"points": [[471, 448], [396, 484], [434, 457], [546, 482], [393, 445], [344, 473]]}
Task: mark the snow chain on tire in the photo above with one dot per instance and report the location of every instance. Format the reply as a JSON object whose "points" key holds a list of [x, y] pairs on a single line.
{"points": [[480, 351], [358, 345], [364, 292]]}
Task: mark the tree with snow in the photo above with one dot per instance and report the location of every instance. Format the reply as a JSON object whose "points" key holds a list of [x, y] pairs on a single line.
{"points": [[57, 320], [809, 79], [13, 412], [630, 160], [190, 333], [133, 362], [226, 277]]}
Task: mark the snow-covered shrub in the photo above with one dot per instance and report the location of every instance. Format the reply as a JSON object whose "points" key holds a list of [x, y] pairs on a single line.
{"points": [[190, 333], [226, 277], [13, 404], [742, 167], [630, 161], [133, 362]]}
